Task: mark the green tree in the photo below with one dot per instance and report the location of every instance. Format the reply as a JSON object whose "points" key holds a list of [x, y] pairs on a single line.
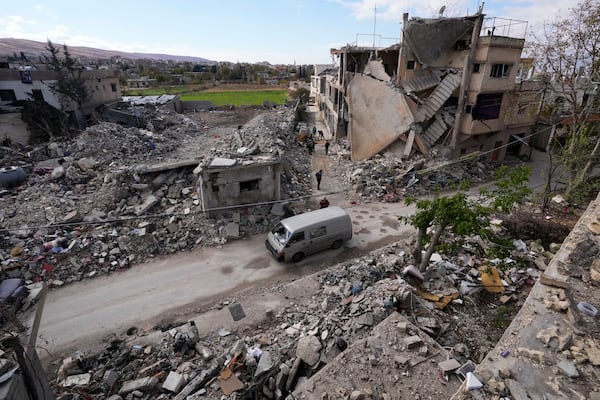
{"points": [[301, 94], [44, 121], [70, 82], [568, 53], [461, 214]]}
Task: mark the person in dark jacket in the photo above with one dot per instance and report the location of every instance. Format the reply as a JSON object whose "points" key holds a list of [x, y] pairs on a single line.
{"points": [[319, 175]]}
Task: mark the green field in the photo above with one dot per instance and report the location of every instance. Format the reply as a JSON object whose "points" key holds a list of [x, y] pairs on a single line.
{"points": [[239, 98]]}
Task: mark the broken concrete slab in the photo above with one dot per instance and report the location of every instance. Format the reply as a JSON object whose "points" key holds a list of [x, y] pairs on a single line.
{"points": [[220, 162], [232, 230], [265, 363], [174, 382], [309, 350], [372, 359], [143, 385], [393, 119], [77, 380], [568, 368], [149, 202], [449, 365], [376, 69]]}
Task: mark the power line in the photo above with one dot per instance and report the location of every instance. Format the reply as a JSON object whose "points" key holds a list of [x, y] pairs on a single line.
{"points": [[163, 215], [208, 210]]}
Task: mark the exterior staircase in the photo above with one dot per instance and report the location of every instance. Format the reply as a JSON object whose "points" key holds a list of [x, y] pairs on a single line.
{"points": [[439, 96], [438, 128]]}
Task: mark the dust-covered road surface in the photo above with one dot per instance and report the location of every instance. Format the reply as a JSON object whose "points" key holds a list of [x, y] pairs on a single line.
{"points": [[88, 311]]}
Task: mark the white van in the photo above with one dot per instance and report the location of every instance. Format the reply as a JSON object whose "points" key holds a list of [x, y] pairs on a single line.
{"points": [[298, 236]]}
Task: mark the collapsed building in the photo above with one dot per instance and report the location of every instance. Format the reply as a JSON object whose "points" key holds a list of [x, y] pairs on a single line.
{"points": [[453, 86]]}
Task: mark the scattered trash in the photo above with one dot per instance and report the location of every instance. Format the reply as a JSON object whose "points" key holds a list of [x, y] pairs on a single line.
{"points": [[490, 278], [473, 382], [587, 308], [223, 332]]}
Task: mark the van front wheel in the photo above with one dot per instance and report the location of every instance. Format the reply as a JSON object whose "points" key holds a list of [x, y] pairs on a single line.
{"points": [[298, 257], [337, 244]]}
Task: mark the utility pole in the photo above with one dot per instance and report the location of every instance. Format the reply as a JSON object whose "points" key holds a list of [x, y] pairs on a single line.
{"points": [[374, 23]]}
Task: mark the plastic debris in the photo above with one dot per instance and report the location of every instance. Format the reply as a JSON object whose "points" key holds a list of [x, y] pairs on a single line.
{"points": [[473, 382]]}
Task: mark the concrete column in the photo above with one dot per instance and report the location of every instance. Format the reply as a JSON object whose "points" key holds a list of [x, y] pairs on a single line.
{"points": [[466, 78], [402, 52]]}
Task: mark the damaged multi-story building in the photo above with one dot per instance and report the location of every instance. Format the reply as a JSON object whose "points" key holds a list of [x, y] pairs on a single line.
{"points": [[451, 87], [28, 83]]}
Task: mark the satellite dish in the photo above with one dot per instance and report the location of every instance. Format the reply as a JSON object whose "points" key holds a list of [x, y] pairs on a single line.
{"points": [[442, 11]]}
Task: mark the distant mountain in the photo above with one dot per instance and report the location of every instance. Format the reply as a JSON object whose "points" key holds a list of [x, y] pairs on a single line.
{"points": [[33, 49]]}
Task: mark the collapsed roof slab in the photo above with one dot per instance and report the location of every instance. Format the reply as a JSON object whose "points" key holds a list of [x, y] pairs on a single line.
{"points": [[380, 115], [377, 71], [397, 359], [428, 39]]}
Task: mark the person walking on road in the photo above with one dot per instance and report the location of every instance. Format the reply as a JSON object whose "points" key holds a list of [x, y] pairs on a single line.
{"points": [[326, 147], [319, 175], [310, 145]]}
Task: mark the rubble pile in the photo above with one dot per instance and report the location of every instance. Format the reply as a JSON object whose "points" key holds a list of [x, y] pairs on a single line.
{"points": [[271, 359], [99, 203], [389, 179]]}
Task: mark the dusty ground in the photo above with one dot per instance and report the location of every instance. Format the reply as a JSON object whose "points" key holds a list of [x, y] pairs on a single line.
{"points": [[227, 118]]}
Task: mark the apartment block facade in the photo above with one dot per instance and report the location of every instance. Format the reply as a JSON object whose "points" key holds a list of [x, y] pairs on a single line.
{"points": [[451, 87]]}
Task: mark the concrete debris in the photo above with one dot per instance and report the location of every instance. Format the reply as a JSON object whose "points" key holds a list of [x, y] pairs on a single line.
{"points": [[568, 368], [115, 176], [174, 382], [386, 174], [309, 350], [365, 316], [343, 322]]}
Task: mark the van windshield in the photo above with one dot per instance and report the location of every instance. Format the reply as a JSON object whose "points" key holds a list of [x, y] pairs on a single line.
{"points": [[281, 234]]}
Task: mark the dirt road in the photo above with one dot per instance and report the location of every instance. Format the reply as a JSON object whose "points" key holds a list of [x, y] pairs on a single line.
{"points": [[144, 295]]}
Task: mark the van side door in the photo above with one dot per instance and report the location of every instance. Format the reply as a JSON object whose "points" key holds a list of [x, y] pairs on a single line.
{"points": [[295, 245], [317, 239]]}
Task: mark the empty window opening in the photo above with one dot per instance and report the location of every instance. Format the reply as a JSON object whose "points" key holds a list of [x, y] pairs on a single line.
{"points": [[476, 68], [113, 87], [500, 71], [410, 64], [248, 186], [8, 95], [488, 106], [37, 95]]}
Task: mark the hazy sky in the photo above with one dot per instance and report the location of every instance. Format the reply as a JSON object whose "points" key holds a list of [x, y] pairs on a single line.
{"points": [[277, 31]]}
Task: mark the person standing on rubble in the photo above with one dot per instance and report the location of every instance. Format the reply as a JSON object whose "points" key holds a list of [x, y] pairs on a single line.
{"points": [[326, 147], [319, 175]]}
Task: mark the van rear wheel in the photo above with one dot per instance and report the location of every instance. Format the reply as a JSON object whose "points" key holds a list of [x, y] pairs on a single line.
{"points": [[337, 244], [298, 257]]}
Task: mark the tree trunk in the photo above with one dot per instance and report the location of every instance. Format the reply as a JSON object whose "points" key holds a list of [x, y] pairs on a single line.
{"points": [[417, 252], [548, 186], [583, 173], [435, 239]]}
